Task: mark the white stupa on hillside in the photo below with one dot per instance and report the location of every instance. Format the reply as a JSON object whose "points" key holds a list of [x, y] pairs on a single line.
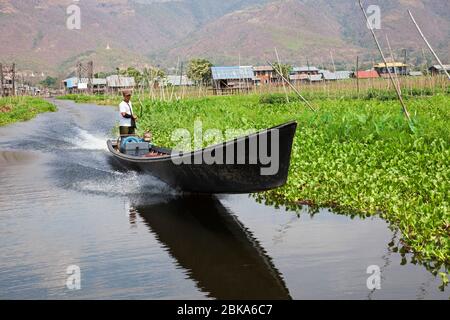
{"points": [[108, 47]]}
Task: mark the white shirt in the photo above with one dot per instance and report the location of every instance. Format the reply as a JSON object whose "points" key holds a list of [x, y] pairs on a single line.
{"points": [[128, 109]]}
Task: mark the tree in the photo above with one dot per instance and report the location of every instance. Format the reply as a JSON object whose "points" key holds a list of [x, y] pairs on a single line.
{"points": [[284, 69], [101, 75], [148, 74], [151, 75], [49, 82], [199, 70], [154, 73], [132, 72]]}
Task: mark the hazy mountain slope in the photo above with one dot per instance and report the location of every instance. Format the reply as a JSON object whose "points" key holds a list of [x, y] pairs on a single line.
{"points": [[34, 32], [296, 29], [316, 29]]}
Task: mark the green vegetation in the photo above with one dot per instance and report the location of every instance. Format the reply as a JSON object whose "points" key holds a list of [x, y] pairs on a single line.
{"points": [[284, 69], [97, 99], [22, 109], [357, 156], [49, 82], [148, 74], [199, 70]]}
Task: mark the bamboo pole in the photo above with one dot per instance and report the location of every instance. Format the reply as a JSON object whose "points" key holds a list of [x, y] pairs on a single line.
{"points": [[399, 94], [181, 81], [332, 60], [357, 77], [279, 65], [1, 81], [393, 61], [173, 85], [428, 44], [292, 86]]}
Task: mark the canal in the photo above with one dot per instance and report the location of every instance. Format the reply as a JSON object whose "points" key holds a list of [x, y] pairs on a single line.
{"points": [[132, 237]]}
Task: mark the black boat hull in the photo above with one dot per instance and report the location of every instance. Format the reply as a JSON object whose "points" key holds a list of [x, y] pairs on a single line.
{"points": [[246, 170]]}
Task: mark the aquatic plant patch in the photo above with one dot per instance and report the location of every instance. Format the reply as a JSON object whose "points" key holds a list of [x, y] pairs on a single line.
{"points": [[354, 155], [15, 109], [357, 156]]}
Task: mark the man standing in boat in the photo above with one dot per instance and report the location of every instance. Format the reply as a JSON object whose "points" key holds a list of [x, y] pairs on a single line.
{"points": [[127, 117]]}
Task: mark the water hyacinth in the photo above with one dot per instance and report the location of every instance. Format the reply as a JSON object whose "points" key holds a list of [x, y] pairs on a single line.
{"points": [[357, 156], [13, 109]]}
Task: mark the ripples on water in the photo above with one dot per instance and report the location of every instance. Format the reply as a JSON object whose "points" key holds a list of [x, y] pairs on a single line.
{"points": [[134, 237]]}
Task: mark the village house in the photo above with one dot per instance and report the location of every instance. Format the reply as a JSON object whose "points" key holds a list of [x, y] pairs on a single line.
{"points": [[305, 74], [437, 69], [305, 70], [75, 85], [266, 75], [116, 83], [7, 80], [8, 87], [99, 85], [27, 90], [70, 85], [369, 74], [298, 78], [396, 68], [176, 81], [334, 76], [314, 78], [228, 80]]}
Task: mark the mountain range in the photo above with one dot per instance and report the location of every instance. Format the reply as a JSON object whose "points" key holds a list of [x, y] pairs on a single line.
{"points": [[121, 33]]}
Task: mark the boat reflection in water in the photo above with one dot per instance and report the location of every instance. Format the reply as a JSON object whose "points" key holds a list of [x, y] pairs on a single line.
{"points": [[219, 254]]}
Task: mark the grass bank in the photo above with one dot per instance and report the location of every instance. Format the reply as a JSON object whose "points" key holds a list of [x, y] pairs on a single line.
{"points": [[357, 156], [14, 109]]}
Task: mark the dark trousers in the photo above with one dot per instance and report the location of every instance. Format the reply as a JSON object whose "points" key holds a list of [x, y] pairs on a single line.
{"points": [[127, 131]]}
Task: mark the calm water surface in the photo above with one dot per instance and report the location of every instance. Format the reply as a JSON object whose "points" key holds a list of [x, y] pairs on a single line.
{"points": [[133, 237]]}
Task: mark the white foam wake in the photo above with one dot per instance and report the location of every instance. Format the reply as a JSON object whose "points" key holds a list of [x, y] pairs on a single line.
{"points": [[125, 184], [87, 141]]}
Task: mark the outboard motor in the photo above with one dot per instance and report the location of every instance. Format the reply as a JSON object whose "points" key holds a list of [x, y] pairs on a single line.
{"points": [[134, 146]]}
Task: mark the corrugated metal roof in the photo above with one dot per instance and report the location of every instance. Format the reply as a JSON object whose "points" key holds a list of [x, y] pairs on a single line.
{"points": [[327, 75], [367, 74], [95, 81], [338, 75], [229, 73], [298, 77], [315, 78], [74, 81], [263, 68], [99, 81], [304, 69], [177, 81], [116, 81], [390, 65], [438, 67]]}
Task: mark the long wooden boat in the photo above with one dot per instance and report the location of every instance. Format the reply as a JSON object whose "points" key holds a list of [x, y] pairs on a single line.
{"points": [[254, 163]]}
